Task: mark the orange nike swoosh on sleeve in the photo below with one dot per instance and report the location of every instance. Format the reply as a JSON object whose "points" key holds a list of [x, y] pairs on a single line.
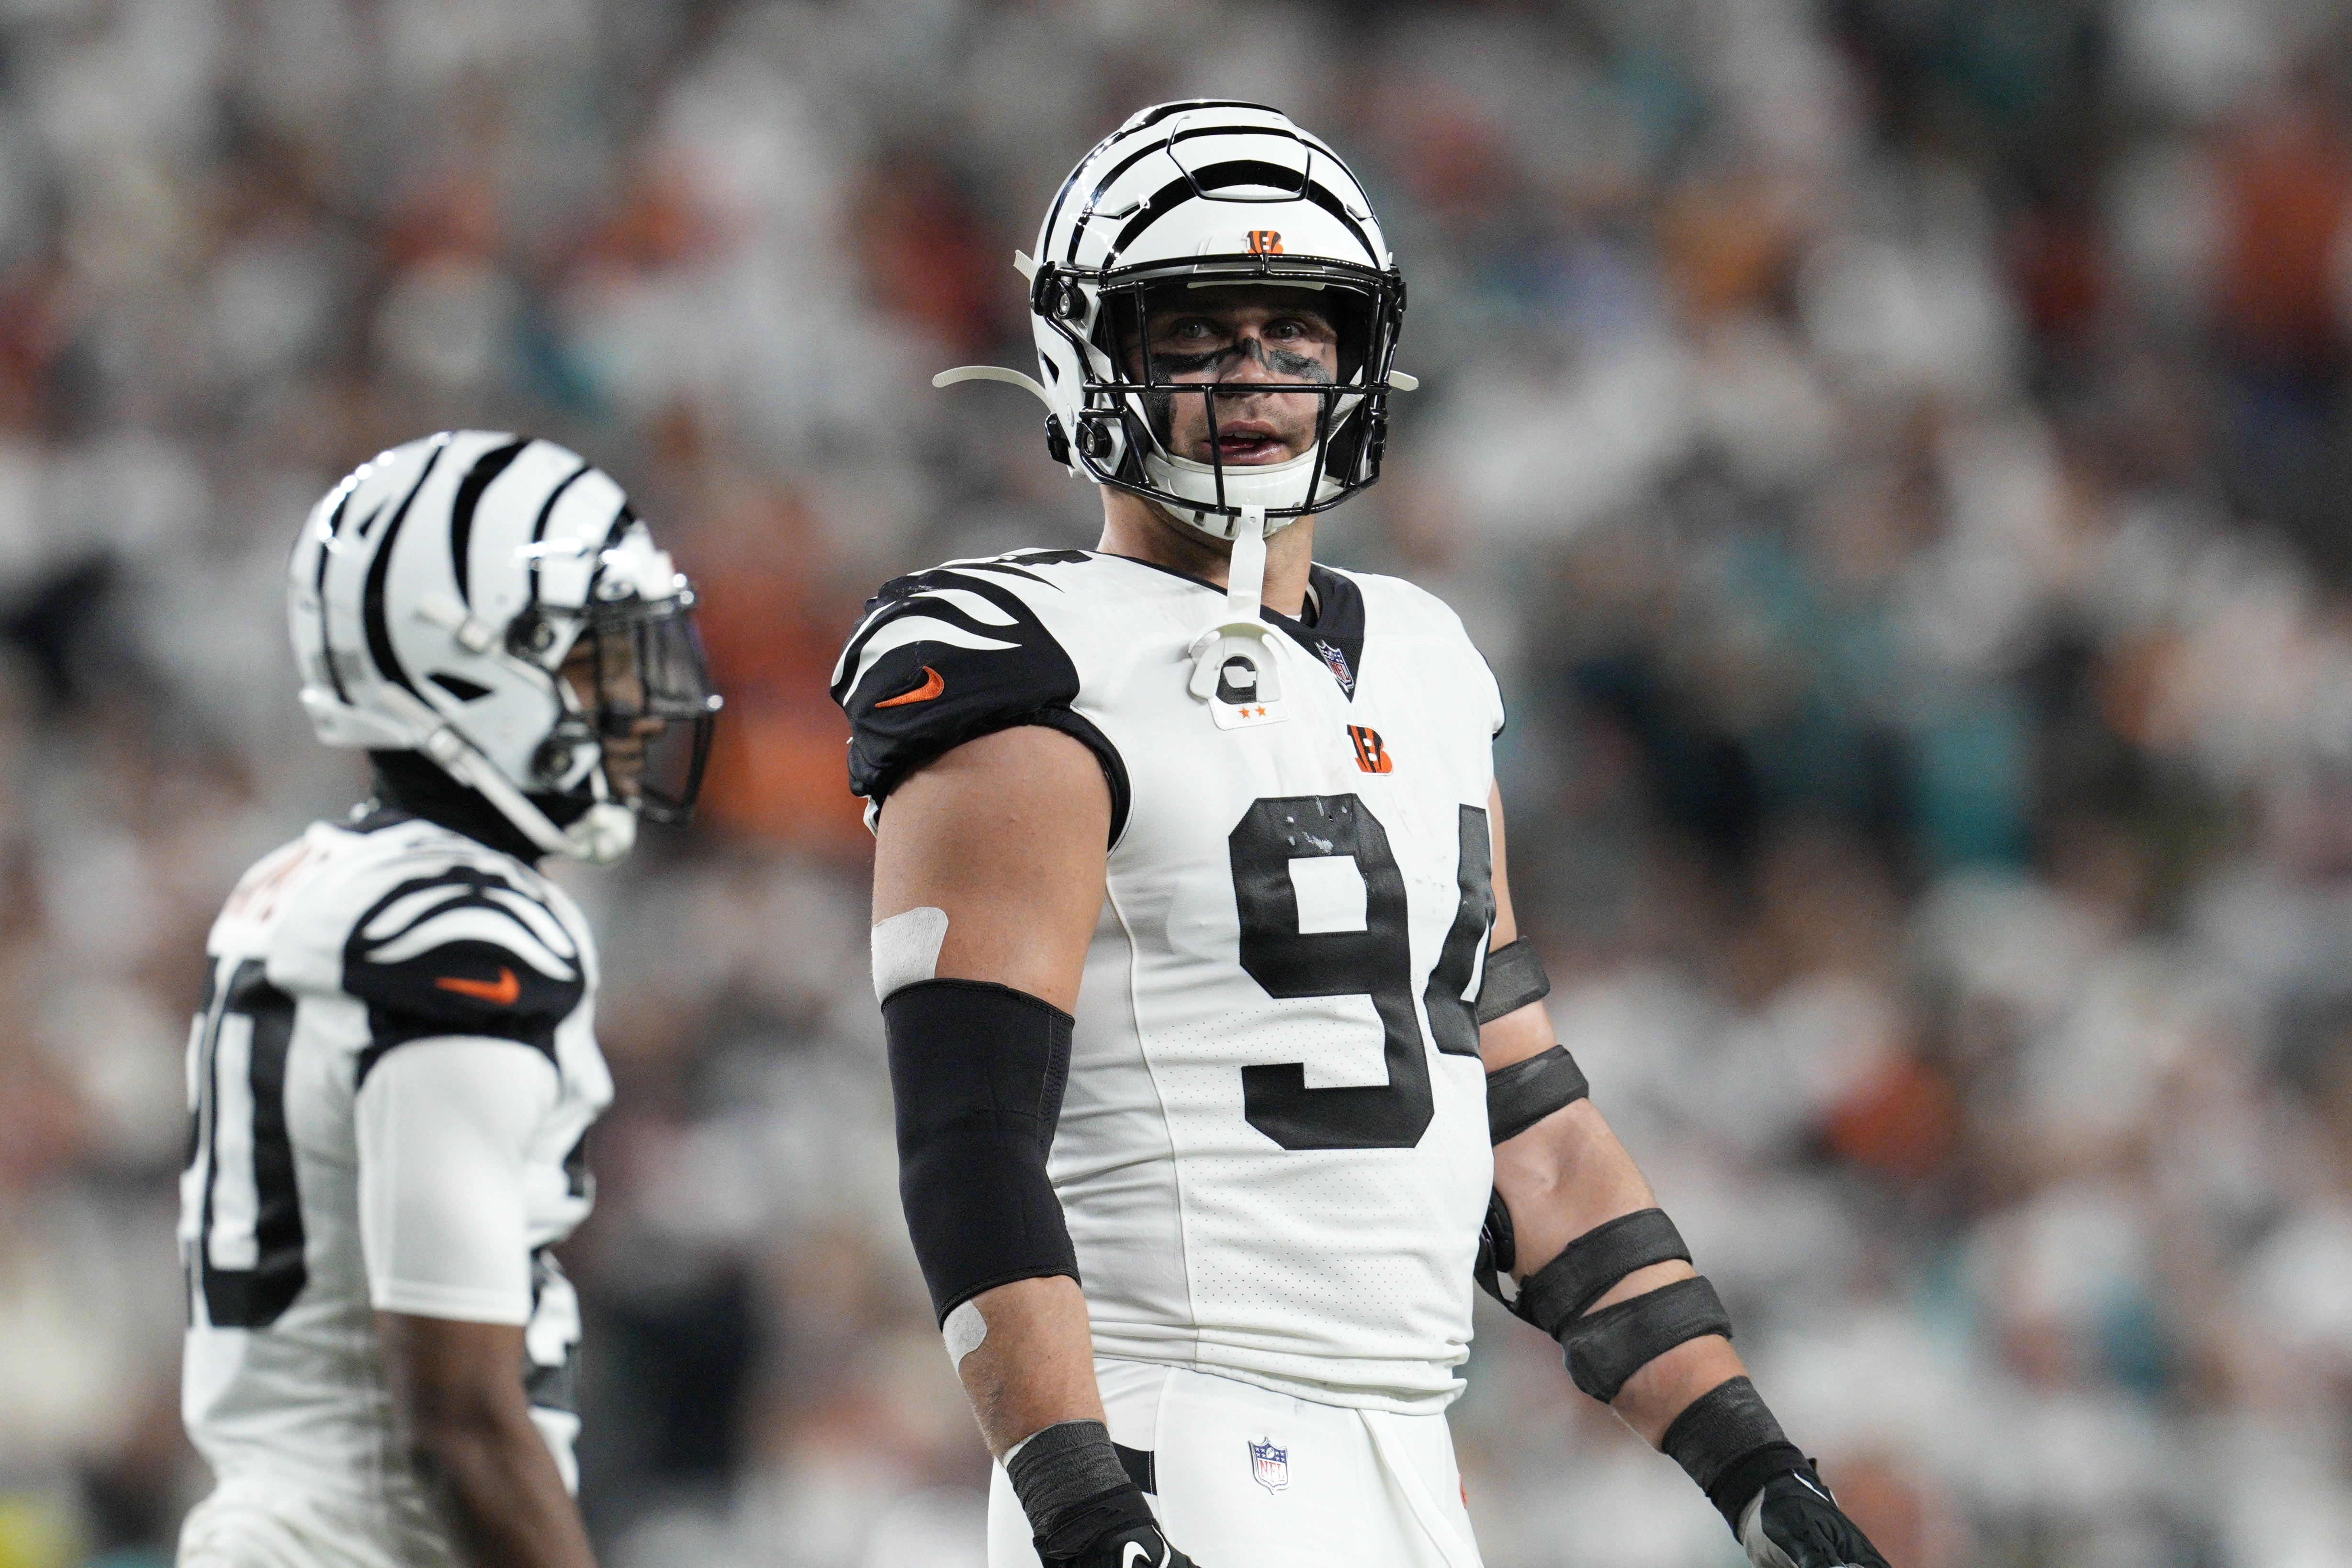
{"points": [[932, 686], [501, 992]]}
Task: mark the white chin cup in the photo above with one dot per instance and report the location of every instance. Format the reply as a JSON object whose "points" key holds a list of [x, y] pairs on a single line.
{"points": [[606, 833], [1259, 487], [1296, 482]]}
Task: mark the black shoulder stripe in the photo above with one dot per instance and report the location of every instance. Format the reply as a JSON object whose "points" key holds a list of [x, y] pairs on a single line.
{"points": [[486, 468], [946, 676], [461, 952], [904, 596], [1009, 569]]}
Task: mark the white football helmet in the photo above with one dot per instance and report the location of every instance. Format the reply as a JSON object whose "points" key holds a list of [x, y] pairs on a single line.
{"points": [[1201, 193], [434, 592]]}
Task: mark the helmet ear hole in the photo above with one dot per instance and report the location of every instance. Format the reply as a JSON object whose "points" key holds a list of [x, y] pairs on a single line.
{"points": [[1058, 446], [551, 761], [532, 634]]}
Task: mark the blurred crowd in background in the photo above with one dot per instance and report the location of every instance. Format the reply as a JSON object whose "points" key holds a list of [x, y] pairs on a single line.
{"points": [[1896, 453]]}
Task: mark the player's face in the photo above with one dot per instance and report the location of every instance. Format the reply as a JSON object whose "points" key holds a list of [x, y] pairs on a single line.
{"points": [[1252, 334], [604, 673]]}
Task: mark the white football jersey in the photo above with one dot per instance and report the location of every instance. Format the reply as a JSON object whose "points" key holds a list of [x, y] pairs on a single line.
{"points": [[391, 1078], [1273, 1149]]}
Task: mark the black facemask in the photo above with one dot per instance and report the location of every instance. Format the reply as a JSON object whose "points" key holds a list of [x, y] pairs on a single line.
{"points": [[648, 664]]}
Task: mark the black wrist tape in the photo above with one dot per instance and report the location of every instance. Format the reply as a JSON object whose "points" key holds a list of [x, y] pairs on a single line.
{"points": [[1525, 1092], [1514, 978], [1064, 1475], [1589, 1266], [1719, 1436], [1613, 1344], [977, 1072]]}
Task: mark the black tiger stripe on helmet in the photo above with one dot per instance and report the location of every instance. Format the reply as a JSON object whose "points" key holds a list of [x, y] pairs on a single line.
{"points": [[1183, 194], [408, 593]]}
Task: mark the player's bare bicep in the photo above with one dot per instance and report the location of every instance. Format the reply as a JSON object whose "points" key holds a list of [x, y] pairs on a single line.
{"points": [[1507, 921], [1525, 1031], [1005, 836]]}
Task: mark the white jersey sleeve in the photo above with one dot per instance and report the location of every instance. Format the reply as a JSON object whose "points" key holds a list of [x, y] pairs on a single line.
{"points": [[445, 1134]]}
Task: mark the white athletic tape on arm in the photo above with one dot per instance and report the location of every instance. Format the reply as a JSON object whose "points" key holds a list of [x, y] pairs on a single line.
{"points": [[963, 1331], [906, 950]]}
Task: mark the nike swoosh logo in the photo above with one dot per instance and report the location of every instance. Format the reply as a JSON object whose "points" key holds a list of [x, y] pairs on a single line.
{"points": [[1139, 1552], [501, 992], [932, 686]]}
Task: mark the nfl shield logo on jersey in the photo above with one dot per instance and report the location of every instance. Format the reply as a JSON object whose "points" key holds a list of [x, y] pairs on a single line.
{"points": [[1337, 658], [1269, 1466]]}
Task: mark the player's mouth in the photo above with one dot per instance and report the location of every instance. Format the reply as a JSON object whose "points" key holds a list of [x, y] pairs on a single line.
{"points": [[624, 765], [1246, 441]]}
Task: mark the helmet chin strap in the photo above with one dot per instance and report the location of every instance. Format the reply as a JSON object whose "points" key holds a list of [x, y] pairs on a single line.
{"points": [[1241, 637], [605, 833]]}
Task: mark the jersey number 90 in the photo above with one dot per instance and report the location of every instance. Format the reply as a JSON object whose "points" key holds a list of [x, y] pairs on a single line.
{"points": [[246, 1257], [1375, 962]]}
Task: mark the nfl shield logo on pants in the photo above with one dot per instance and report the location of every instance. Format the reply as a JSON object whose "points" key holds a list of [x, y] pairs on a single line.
{"points": [[1269, 1466]]}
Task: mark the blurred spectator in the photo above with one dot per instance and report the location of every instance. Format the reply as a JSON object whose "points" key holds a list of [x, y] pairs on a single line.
{"points": [[1894, 453]]}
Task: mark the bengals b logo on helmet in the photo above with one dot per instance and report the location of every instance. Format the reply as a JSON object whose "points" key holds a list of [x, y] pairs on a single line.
{"points": [[1266, 242]]}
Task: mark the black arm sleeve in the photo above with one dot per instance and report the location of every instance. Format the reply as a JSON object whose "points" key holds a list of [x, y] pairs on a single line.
{"points": [[977, 1072]]}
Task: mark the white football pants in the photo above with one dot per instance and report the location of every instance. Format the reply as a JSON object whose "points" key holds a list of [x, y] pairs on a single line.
{"points": [[253, 1522], [1246, 1477]]}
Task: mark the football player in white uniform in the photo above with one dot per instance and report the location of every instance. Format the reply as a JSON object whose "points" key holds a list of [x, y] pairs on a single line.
{"points": [[1235, 812], [395, 1061]]}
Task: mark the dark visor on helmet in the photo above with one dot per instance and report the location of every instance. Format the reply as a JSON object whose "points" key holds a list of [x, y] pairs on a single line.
{"points": [[652, 705]]}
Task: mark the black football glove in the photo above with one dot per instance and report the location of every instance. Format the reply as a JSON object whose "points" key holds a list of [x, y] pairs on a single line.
{"points": [[1113, 1531], [1794, 1522]]}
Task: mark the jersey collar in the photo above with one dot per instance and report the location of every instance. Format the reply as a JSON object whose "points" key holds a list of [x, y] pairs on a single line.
{"points": [[1335, 635]]}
